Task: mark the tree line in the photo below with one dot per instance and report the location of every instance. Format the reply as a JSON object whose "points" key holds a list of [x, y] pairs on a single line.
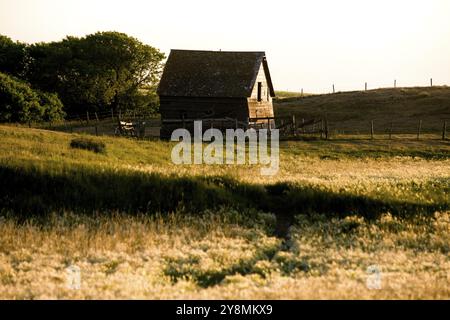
{"points": [[98, 72]]}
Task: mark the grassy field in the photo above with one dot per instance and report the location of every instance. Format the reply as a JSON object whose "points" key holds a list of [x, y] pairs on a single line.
{"points": [[290, 94], [352, 112], [139, 226]]}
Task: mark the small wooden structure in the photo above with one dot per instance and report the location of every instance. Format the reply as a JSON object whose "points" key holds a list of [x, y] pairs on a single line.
{"points": [[201, 85], [132, 129], [125, 129]]}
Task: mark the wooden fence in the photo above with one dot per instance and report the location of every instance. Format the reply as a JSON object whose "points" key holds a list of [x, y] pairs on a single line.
{"points": [[295, 126]]}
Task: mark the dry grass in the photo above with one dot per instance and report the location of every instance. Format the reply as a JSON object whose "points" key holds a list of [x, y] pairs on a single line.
{"points": [[352, 112], [290, 94], [225, 256], [226, 253]]}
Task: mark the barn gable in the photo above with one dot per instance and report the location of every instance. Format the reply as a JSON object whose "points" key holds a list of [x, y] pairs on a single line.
{"points": [[260, 100]]}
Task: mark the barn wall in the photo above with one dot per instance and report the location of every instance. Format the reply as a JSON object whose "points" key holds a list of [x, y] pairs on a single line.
{"points": [[175, 107], [200, 108], [263, 108]]}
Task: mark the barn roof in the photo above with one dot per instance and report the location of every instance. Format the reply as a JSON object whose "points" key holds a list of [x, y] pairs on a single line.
{"points": [[228, 74]]}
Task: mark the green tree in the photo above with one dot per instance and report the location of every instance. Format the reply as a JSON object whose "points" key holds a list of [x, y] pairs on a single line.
{"points": [[99, 71], [53, 68], [53, 107], [20, 103], [12, 56]]}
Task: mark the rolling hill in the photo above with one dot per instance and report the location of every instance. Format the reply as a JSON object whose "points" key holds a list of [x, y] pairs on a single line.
{"points": [[352, 112]]}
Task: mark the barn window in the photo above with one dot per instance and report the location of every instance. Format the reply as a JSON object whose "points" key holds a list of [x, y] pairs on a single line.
{"points": [[259, 90]]}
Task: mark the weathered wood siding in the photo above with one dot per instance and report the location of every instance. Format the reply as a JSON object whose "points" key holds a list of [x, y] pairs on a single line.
{"points": [[263, 108], [200, 108]]}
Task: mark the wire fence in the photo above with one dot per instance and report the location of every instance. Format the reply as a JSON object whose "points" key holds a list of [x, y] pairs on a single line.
{"points": [[105, 115], [328, 128], [144, 124], [148, 125]]}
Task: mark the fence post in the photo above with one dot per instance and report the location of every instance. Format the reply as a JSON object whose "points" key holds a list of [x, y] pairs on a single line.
{"points": [[371, 129], [390, 130], [96, 116], [87, 117], [365, 86], [444, 130], [321, 128], [294, 129], [326, 129], [145, 124], [419, 129]]}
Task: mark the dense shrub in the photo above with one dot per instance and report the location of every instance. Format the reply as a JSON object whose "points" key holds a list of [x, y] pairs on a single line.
{"points": [[20, 103], [88, 144]]}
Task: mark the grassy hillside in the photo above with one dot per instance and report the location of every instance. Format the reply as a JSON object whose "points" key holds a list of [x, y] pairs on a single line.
{"points": [[139, 176], [352, 111], [290, 94], [139, 226]]}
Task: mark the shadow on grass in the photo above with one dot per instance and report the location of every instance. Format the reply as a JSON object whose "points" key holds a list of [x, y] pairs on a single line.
{"points": [[32, 191]]}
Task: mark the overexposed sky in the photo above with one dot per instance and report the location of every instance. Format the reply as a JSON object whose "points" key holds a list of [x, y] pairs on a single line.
{"points": [[309, 44]]}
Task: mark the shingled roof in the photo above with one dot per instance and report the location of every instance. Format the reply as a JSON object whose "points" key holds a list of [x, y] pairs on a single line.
{"points": [[222, 74]]}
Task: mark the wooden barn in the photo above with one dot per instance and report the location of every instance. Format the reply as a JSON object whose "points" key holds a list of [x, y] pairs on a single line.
{"points": [[222, 88]]}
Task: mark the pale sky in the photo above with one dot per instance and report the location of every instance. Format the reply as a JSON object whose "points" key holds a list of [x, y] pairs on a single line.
{"points": [[309, 44]]}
